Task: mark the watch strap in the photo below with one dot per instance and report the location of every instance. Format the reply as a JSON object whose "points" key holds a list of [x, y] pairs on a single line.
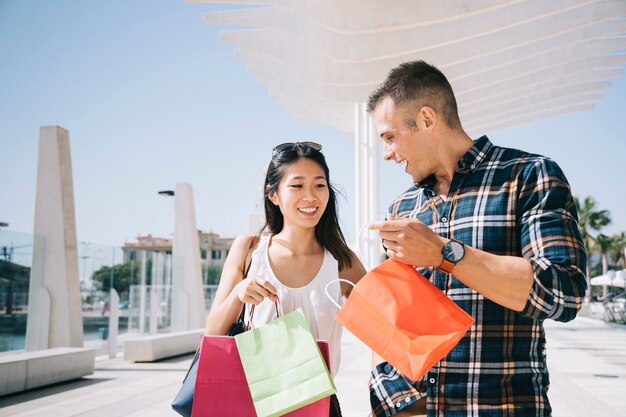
{"points": [[446, 266]]}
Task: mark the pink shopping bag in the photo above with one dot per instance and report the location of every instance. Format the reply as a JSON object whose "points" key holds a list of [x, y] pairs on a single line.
{"points": [[222, 389], [221, 386]]}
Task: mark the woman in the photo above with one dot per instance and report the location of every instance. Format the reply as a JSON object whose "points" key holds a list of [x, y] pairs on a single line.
{"points": [[303, 250]]}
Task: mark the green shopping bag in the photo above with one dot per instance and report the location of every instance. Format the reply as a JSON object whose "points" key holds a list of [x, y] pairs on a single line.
{"points": [[284, 367]]}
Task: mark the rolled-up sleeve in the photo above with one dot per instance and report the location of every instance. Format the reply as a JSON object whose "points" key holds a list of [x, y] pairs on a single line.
{"points": [[391, 392], [551, 242]]}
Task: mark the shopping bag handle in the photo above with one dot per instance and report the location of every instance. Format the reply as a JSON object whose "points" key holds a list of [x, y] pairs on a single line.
{"points": [[359, 246], [249, 325], [333, 281]]}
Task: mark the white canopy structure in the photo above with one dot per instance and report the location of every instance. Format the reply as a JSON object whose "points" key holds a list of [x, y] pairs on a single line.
{"points": [[611, 279], [509, 61]]}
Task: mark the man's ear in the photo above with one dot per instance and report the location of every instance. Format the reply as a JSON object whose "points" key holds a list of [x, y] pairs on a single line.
{"points": [[427, 118]]}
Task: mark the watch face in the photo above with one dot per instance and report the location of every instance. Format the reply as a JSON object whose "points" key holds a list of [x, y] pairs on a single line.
{"points": [[453, 251]]}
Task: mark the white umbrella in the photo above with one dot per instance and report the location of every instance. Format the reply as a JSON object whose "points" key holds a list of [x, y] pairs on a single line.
{"points": [[611, 278]]}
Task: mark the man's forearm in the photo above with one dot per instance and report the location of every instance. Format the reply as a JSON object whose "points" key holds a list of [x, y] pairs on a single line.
{"points": [[506, 280]]}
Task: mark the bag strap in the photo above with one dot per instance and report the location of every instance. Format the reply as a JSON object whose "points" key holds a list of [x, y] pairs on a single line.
{"points": [[252, 312], [333, 281], [253, 244]]}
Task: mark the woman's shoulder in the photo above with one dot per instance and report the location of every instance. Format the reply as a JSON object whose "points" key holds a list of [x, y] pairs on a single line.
{"points": [[243, 245], [243, 242], [248, 241]]}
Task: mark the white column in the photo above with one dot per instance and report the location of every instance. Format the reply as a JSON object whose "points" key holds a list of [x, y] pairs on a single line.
{"points": [[366, 185], [154, 309], [358, 176], [374, 246], [142, 291], [188, 310], [114, 314], [55, 260]]}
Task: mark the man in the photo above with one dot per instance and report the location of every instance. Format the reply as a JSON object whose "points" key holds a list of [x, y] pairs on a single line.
{"points": [[496, 230]]}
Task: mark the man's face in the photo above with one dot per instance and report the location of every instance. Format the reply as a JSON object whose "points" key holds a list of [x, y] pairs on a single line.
{"points": [[411, 147]]}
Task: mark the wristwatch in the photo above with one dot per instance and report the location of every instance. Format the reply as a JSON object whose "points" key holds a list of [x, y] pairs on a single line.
{"points": [[452, 252]]}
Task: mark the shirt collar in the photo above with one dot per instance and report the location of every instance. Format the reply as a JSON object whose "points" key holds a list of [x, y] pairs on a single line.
{"points": [[468, 162], [475, 155]]}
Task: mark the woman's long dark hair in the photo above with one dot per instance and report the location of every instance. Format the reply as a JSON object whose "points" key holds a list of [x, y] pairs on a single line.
{"points": [[327, 231]]}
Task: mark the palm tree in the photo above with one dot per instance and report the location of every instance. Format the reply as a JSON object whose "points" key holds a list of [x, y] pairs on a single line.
{"points": [[604, 245], [590, 219], [611, 249], [618, 249]]}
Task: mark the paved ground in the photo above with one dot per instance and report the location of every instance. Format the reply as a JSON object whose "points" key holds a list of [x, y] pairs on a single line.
{"points": [[587, 362]]}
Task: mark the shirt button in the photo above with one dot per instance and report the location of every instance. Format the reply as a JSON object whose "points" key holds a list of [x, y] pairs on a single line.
{"points": [[444, 219], [431, 380], [473, 166]]}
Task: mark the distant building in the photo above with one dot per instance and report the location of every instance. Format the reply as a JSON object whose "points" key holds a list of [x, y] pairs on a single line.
{"points": [[213, 248], [131, 251]]}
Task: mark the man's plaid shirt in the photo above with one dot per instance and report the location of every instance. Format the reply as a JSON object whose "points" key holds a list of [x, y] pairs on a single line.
{"points": [[506, 202]]}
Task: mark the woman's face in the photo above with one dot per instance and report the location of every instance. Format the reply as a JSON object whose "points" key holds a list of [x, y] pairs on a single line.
{"points": [[302, 194]]}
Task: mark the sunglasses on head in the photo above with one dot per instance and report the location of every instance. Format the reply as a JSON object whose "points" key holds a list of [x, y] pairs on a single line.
{"points": [[290, 146]]}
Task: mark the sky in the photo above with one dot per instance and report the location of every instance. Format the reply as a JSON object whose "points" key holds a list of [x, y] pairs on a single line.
{"points": [[151, 98]]}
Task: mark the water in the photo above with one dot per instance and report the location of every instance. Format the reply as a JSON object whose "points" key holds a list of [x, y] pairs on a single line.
{"points": [[13, 330]]}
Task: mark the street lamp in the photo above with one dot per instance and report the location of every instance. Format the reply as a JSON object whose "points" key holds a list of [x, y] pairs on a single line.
{"points": [[168, 193]]}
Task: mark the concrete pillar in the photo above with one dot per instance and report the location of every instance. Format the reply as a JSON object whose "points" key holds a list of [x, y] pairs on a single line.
{"points": [[154, 310], [374, 246], [114, 320], [366, 185], [54, 274], [358, 173], [188, 310], [142, 291]]}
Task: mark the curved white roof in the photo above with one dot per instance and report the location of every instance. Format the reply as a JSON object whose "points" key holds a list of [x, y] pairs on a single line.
{"points": [[509, 62]]}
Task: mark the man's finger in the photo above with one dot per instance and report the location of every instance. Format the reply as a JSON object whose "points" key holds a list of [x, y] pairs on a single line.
{"points": [[392, 254], [387, 225], [392, 236], [390, 244], [396, 256]]}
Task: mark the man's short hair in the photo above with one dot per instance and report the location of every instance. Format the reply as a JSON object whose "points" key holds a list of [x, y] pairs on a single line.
{"points": [[418, 84]]}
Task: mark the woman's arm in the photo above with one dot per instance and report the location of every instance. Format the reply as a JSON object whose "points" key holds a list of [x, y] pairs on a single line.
{"points": [[353, 274], [233, 290]]}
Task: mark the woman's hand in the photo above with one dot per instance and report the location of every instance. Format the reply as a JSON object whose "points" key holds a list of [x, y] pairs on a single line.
{"points": [[253, 290]]}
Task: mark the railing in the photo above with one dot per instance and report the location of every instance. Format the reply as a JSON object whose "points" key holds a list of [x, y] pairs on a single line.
{"points": [[99, 268], [615, 307], [16, 252]]}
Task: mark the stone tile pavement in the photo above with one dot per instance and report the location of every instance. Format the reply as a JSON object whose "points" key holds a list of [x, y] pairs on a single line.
{"points": [[586, 358]]}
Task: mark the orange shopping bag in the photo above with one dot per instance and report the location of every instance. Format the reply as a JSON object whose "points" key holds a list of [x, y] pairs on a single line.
{"points": [[404, 318]]}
